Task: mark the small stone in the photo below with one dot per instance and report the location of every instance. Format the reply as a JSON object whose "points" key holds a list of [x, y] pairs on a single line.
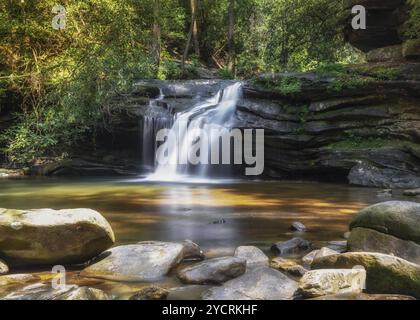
{"points": [[220, 221], [289, 266], [213, 271], [412, 192], [192, 251], [151, 293], [384, 193], [339, 246], [317, 283], [254, 256], [293, 246], [298, 226], [4, 269]]}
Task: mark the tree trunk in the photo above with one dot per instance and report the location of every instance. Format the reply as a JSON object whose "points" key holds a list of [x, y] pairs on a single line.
{"points": [[156, 32], [231, 36], [194, 8], [190, 33]]}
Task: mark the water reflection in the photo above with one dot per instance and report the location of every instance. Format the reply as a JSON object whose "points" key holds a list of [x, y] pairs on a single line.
{"points": [[255, 212]]}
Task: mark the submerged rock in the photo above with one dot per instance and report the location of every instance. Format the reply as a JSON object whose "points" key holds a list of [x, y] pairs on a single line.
{"points": [[317, 283], [289, 266], [292, 246], [47, 237], [213, 271], [254, 256], [42, 291], [192, 251], [258, 284], [144, 261], [4, 269], [385, 274], [339, 246], [151, 293], [298, 226], [369, 240]]}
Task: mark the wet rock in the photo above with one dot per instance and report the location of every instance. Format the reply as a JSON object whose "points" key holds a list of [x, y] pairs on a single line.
{"points": [[298, 226], [289, 266], [4, 269], [254, 256], [220, 221], [400, 219], [41, 291], [192, 292], [213, 271], [151, 293], [292, 246], [47, 237], [317, 283], [325, 252], [384, 193], [307, 259], [369, 240], [385, 274], [258, 284], [192, 251], [346, 235], [339, 246], [412, 192], [144, 261]]}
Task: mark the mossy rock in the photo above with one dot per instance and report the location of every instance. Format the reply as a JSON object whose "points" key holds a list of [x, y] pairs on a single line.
{"points": [[386, 274], [400, 219]]}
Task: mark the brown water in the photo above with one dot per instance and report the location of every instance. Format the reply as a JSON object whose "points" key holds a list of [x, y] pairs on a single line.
{"points": [[257, 213]]}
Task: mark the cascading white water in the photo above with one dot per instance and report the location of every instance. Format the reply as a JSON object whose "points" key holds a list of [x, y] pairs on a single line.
{"points": [[211, 116]]}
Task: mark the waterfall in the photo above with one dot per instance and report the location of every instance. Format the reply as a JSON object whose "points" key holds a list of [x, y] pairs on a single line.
{"points": [[212, 116], [152, 123]]}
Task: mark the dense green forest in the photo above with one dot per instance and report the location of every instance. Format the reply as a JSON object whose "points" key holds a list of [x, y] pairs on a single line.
{"points": [[58, 83]]}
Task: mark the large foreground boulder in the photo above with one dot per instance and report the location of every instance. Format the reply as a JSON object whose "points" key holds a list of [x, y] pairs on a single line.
{"points": [[385, 274], [258, 284], [317, 283], [47, 237], [42, 291], [391, 227], [144, 261], [213, 271]]}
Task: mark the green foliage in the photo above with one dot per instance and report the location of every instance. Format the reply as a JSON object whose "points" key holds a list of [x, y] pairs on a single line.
{"points": [[412, 28], [225, 73], [284, 84]]}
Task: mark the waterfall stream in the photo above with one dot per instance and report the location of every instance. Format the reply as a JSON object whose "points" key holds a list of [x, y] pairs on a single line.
{"points": [[212, 116]]}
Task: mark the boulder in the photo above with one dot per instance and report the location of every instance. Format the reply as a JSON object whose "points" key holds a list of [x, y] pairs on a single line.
{"points": [[192, 251], [339, 246], [48, 237], [289, 266], [257, 284], [385, 274], [298, 226], [16, 279], [293, 246], [325, 252], [254, 256], [400, 219], [151, 293], [369, 240], [213, 271], [144, 261], [42, 291], [317, 283], [4, 269], [412, 192]]}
